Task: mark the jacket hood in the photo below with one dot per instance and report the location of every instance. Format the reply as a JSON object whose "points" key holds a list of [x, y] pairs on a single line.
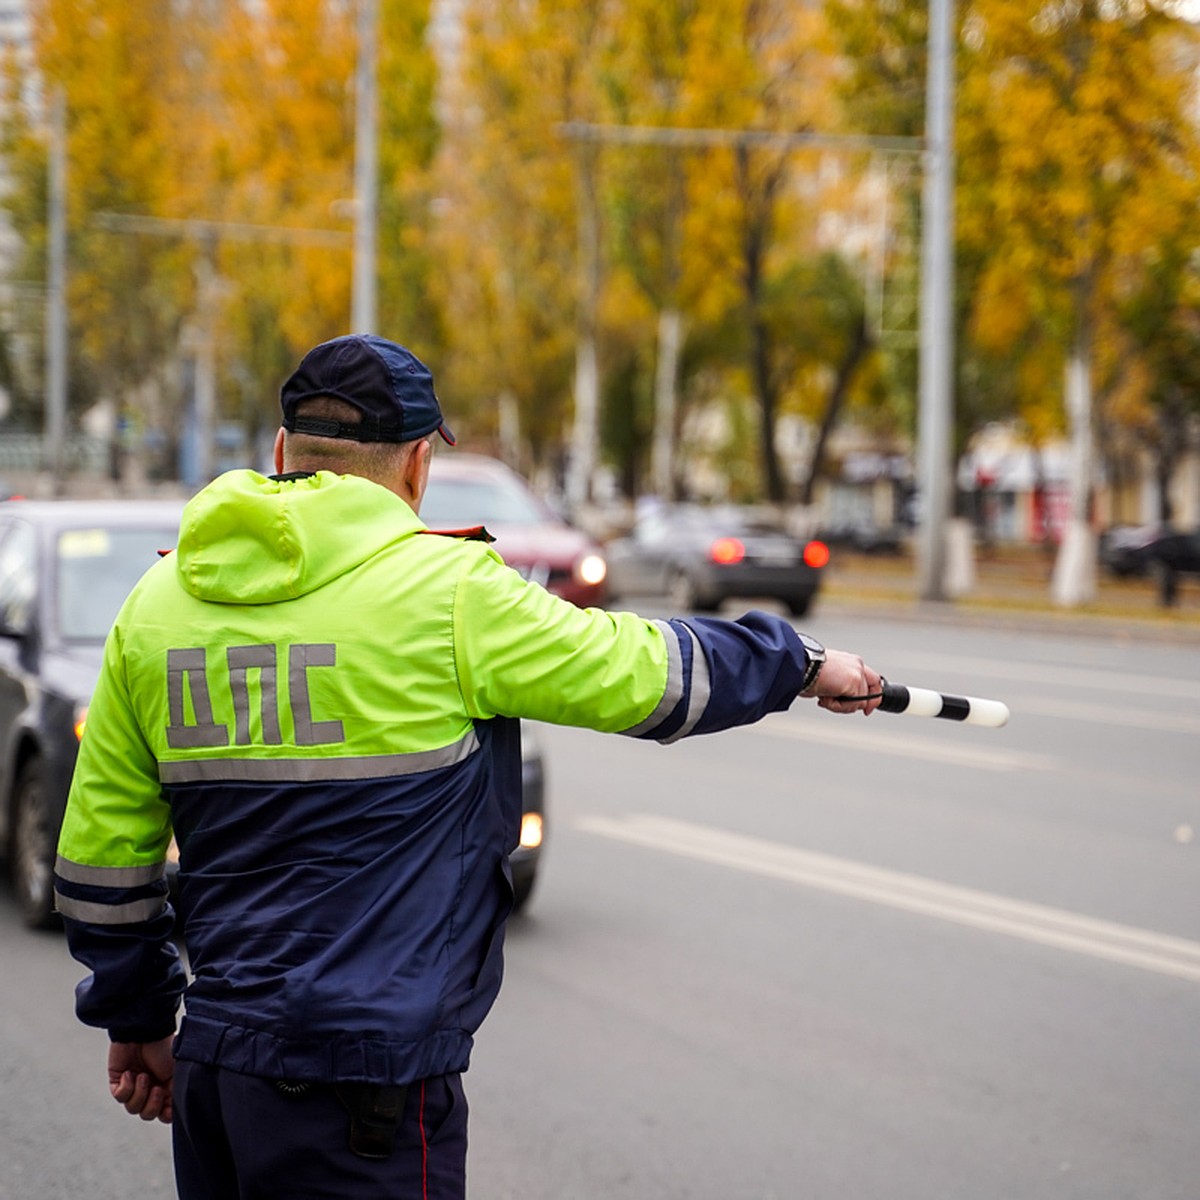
{"points": [[248, 539]]}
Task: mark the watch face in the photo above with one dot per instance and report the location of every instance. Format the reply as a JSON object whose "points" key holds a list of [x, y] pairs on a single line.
{"points": [[811, 644]]}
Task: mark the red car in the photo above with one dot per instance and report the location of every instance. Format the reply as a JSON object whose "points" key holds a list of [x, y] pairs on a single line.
{"points": [[470, 489]]}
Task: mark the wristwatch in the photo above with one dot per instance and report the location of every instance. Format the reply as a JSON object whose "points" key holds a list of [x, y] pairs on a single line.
{"points": [[816, 660]]}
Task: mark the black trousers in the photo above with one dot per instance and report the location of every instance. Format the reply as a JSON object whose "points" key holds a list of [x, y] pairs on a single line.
{"points": [[237, 1137]]}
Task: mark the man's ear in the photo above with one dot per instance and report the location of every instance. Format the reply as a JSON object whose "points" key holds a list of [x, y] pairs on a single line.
{"points": [[416, 472], [279, 452]]}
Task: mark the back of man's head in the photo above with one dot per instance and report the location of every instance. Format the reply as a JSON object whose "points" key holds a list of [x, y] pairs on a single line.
{"points": [[378, 461], [389, 388], [358, 405]]}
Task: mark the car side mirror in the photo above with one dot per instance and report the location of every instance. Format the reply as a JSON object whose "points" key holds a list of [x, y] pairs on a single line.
{"points": [[14, 624]]}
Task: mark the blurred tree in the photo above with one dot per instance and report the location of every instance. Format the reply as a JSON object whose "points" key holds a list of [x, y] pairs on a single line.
{"points": [[231, 124], [697, 232], [644, 81], [1162, 401], [275, 96], [280, 154], [1078, 163], [880, 84], [126, 298], [1076, 174], [771, 72], [510, 227], [409, 136]]}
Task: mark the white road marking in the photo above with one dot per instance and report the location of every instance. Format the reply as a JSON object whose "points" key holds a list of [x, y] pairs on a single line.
{"points": [[1085, 677], [1126, 718], [1125, 944], [832, 730]]}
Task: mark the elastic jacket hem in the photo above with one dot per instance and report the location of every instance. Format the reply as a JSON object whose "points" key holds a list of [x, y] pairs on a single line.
{"points": [[353, 1057]]}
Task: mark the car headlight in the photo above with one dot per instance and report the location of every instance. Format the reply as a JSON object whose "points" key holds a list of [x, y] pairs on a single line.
{"points": [[531, 830], [591, 569]]}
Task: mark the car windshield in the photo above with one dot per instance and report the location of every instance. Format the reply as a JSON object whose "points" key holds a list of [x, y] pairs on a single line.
{"points": [[712, 521], [460, 503], [96, 570]]}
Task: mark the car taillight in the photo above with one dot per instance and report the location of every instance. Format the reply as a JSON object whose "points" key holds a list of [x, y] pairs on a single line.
{"points": [[727, 550], [591, 569], [80, 721], [816, 554]]}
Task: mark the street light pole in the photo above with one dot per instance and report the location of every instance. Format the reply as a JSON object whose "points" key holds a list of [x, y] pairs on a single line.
{"points": [[56, 300], [936, 370], [366, 170]]}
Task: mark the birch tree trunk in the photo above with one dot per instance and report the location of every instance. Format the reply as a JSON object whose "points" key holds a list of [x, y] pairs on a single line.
{"points": [[1074, 578], [584, 434], [666, 375]]}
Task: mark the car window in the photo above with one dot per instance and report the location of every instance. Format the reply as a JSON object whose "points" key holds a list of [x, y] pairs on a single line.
{"points": [[96, 569], [654, 530], [18, 575], [458, 503]]}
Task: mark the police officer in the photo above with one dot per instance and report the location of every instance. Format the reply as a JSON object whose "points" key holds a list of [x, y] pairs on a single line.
{"points": [[320, 698]]}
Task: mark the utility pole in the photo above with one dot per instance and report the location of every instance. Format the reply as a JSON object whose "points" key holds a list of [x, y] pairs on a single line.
{"points": [[581, 467], [56, 301], [366, 170], [205, 345], [936, 370]]}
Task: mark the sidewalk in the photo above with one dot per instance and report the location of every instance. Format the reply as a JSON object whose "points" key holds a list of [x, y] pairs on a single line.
{"points": [[1012, 589]]}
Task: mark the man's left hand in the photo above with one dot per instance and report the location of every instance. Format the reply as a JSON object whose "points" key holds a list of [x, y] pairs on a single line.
{"points": [[140, 1076]]}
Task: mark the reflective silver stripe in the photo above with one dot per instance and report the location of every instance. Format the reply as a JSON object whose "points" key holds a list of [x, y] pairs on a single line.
{"points": [[206, 732], [114, 877], [241, 660], [699, 693], [109, 914], [673, 692], [308, 731], [306, 770]]}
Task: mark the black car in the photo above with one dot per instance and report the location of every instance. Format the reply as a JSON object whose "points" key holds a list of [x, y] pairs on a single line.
{"points": [[698, 557], [65, 569], [863, 537], [1163, 553]]}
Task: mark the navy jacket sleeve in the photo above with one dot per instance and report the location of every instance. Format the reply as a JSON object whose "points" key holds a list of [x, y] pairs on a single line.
{"points": [[730, 673]]}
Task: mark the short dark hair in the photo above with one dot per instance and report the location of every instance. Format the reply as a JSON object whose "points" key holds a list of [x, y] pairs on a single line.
{"points": [[311, 452]]}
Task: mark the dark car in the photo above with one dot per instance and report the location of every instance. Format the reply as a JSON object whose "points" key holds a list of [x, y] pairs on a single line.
{"points": [[863, 537], [65, 569], [698, 557], [1122, 548], [1163, 553], [466, 490]]}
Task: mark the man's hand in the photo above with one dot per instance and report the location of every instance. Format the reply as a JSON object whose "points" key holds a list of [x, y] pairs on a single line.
{"points": [[139, 1077], [846, 684]]}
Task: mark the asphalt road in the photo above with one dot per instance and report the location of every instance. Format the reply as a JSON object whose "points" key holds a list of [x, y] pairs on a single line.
{"points": [[831, 957]]}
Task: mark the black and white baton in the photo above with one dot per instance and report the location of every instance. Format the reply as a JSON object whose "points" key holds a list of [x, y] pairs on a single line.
{"points": [[922, 702]]}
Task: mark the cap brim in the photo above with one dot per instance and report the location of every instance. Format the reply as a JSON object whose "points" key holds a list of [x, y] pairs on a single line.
{"points": [[447, 436]]}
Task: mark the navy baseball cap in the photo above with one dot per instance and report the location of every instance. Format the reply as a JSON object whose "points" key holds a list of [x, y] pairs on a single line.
{"points": [[390, 386]]}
